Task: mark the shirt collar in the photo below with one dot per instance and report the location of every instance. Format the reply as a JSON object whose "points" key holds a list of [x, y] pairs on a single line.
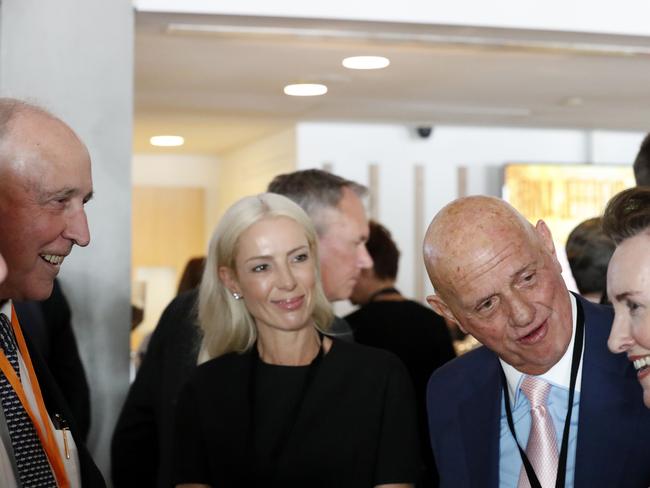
{"points": [[559, 375], [6, 309]]}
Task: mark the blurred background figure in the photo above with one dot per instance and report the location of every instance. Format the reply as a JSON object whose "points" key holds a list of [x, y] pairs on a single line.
{"points": [[142, 440], [589, 250], [388, 320], [48, 324], [335, 206], [191, 277], [642, 163]]}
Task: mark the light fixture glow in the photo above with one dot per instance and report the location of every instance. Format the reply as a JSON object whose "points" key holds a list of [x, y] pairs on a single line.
{"points": [[305, 90], [167, 141], [366, 62]]}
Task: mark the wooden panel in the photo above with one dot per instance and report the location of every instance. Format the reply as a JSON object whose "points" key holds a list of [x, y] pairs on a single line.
{"points": [[167, 226], [373, 191], [418, 232]]}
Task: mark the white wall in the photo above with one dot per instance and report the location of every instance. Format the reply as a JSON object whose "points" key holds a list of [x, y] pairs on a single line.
{"points": [[249, 169], [350, 148], [197, 171], [76, 58]]}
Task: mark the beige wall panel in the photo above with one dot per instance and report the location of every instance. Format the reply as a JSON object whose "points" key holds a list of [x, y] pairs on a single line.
{"points": [[167, 226]]}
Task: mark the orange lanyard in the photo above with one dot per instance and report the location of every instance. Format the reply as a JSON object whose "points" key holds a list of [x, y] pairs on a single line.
{"points": [[47, 438]]}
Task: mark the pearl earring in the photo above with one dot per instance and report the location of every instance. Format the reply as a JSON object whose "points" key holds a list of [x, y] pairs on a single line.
{"points": [[236, 295]]}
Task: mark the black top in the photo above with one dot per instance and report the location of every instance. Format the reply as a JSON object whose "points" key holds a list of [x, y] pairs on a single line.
{"points": [[356, 426], [141, 448], [420, 338]]}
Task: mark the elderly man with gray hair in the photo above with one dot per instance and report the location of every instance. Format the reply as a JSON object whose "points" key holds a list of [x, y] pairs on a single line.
{"points": [[334, 205], [45, 182]]}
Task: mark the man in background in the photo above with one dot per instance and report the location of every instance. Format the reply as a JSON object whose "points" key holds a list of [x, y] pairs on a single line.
{"points": [[335, 207], [45, 181], [545, 379], [141, 446], [589, 250], [416, 334]]}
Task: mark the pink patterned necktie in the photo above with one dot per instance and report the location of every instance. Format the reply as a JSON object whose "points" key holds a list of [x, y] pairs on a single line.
{"points": [[542, 446]]}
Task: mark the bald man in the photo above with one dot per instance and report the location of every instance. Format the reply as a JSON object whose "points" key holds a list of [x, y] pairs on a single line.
{"points": [[45, 182], [498, 278]]}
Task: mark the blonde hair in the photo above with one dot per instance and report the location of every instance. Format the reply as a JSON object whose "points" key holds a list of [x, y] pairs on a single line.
{"points": [[226, 323]]}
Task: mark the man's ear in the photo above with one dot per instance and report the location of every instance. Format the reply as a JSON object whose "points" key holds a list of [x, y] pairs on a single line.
{"points": [[546, 237], [441, 308], [229, 279]]}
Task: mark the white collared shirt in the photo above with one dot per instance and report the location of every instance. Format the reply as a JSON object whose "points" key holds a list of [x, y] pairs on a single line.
{"points": [[7, 478], [559, 374]]}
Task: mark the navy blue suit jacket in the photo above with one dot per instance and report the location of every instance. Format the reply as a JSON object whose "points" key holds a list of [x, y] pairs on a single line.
{"points": [[464, 407]]}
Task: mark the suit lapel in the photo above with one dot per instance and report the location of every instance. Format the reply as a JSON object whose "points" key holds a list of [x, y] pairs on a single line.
{"points": [[610, 407], [480, 424]]}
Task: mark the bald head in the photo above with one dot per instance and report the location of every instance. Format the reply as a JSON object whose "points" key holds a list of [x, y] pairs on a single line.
{"points": [[45, 181], [498, 278], [468, 225]]}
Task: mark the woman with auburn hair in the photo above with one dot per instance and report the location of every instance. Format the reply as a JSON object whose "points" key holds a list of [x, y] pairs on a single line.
{"points": [[276, 401], [627, 222]]}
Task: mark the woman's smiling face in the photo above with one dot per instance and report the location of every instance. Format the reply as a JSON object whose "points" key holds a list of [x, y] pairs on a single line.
{"points": [[628, 288], [275, 273]]}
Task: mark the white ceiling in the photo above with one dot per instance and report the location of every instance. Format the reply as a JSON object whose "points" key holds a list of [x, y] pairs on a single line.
{"points": [[217, 80]]}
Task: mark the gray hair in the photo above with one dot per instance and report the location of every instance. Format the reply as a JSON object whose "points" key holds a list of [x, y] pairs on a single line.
{"points": [[226, 323], [315, 191]]}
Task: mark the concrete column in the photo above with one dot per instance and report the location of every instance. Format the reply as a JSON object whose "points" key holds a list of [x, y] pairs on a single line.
{"points": [[75, 58]]}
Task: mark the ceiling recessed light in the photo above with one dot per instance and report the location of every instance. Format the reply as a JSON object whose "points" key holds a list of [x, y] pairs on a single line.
{"points": [[305, 90], [167, 141], [366, 62]]}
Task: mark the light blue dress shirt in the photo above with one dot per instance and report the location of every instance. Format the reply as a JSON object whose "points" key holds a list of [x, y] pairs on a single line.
{"points": [[510, 463]]}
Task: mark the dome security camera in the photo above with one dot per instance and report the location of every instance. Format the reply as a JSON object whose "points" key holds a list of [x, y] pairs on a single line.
{"points": [[424, 131]]}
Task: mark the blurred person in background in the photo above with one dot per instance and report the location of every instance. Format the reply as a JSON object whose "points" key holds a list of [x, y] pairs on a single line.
{"points": [[388, 320], [589, 250], [302, 409], [335, 207], [142, 440], [642, 163]]}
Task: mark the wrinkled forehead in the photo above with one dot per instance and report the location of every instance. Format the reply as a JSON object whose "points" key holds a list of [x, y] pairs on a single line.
{"points": [[476, 246]]}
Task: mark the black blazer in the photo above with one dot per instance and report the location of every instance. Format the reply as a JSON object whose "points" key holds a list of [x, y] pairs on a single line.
{"points": [[142, 441]]}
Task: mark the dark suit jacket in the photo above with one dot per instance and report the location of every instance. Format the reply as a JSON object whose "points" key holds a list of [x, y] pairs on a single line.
{"points": [[464, 404], [48, 325], [56, 404], [142, 442]]}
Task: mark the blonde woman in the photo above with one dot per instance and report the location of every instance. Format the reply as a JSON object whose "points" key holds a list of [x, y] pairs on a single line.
{"points": [[278, 402]]}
